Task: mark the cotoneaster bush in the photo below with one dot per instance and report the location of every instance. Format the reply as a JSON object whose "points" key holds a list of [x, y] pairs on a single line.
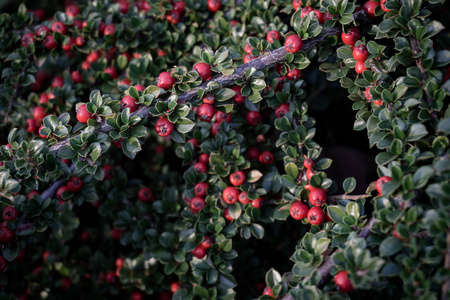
{"points": [[166, 150]]}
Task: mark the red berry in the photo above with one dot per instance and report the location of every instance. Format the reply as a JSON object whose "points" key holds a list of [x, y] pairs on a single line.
{"points": [[201, 167], [60, 191], [201, 189], [59, 27], [343, 283], [197, 203], [360, 67], [72, 10], [179, 6], [380, 182], [268, 291], [83, 115], [49, 42], [248, 49], [111, 71], [109, 30], [164, 127], [305, 11], [253, 153], [165, 81], [110, 277], [203, 70], [383, 6], [129, 102], [308, 163], [227, 216], [116, 233], [173, 17], [139, 87], [238, 98], [203, 158], [199, 252], [315, 215], [237, 178], [351, 37], [41, 31], [27, 39], [205, 112], [74, 184], [10, 213], [296, 4], [369, 7], [360, 53], [266, 158], [39, 113], [294, 75], [327, 17], [253, 118], [31, 125], [317, 196], [208, 99], [92, 57], [257, 203], [378, 102], [367, 94], [67, 45], [310, 173], [174, 287], [272, 36], [319, 15], [58, 81], [230, 195], [145, 195], [3, 264], [207, 242], [298, 210], [108, 170], [293, 43], [77, 77], [193, 141], [42, 135], [214, 5], [243, 198], [221, 116], [248, 58], [6, 235]]}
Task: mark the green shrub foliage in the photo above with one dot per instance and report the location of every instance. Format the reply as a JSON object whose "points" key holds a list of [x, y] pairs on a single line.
{"points": [[98, 205]]}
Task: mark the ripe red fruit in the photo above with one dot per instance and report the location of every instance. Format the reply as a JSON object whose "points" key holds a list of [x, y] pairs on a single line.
{"points": [[327, 16], [72, 10], [137, 296], [74, 184], [380, 182], [272, 36], [164, 127], [203, 70], [49, 42], [221, 116], [296, 4], [110, 277], [199, 252], [294, 74], [41, 31], [145, 195], [214, 5], [39, 113], [248, 49], [10, 213], [308, 163], [298, 210], [31, 125], [42, 135], [230, 195], [268, 291], [369, 7], [360, 67], [378, 102], [253, 153], [237, 178], [305, 11], [58, 81], [315, 215], [111, 71], [266, 158], [139, 87], [60, 191], [215, 129], [253, 118], [129, 102], [208, 99], [179, 6], [173, 17], [238, 98], [351, 37], [201, 167], [310, 173], [281, 110], [83, 115], [243, 198], [227, 216], [257, 203], [343, 283], [31, 194], [77, 77], [197, 203], [360, 53], [67, 46], [92, 57], [248, 58], [383, 6], [193, 141], [317, 196], [205, 112], [65, 283], [174, 287], [319, 15], [201, 189], [109, 30], [27, 39], [165, 81], [203, 158], [59, 27], [6, 235], [293, 43], [207, 242], [116, 233], [3, 264]]}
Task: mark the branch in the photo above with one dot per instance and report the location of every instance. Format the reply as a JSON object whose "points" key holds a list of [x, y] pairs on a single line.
{"points": [[325, 269], [334, 199], [262, 62]]}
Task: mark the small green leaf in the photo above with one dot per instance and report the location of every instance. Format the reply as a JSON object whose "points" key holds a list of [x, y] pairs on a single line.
{"points": [[349, 185]]}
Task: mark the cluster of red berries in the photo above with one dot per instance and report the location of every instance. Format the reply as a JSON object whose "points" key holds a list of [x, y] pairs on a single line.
{"points": [[6, 234], [201, 249], [74, 184], [317, 197], [321, 17]]}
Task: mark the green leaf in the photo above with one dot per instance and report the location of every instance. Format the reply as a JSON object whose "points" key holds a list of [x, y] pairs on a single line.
{"points": [[352, 209], [292, 170], [282, 124], [416, 132], [257, 230], [224, 94], [390, 245], [184, 125], [273, 277], [349, 185], [422, 175], [323, 164], [336, 213], [444, 126], [384, 158]]}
